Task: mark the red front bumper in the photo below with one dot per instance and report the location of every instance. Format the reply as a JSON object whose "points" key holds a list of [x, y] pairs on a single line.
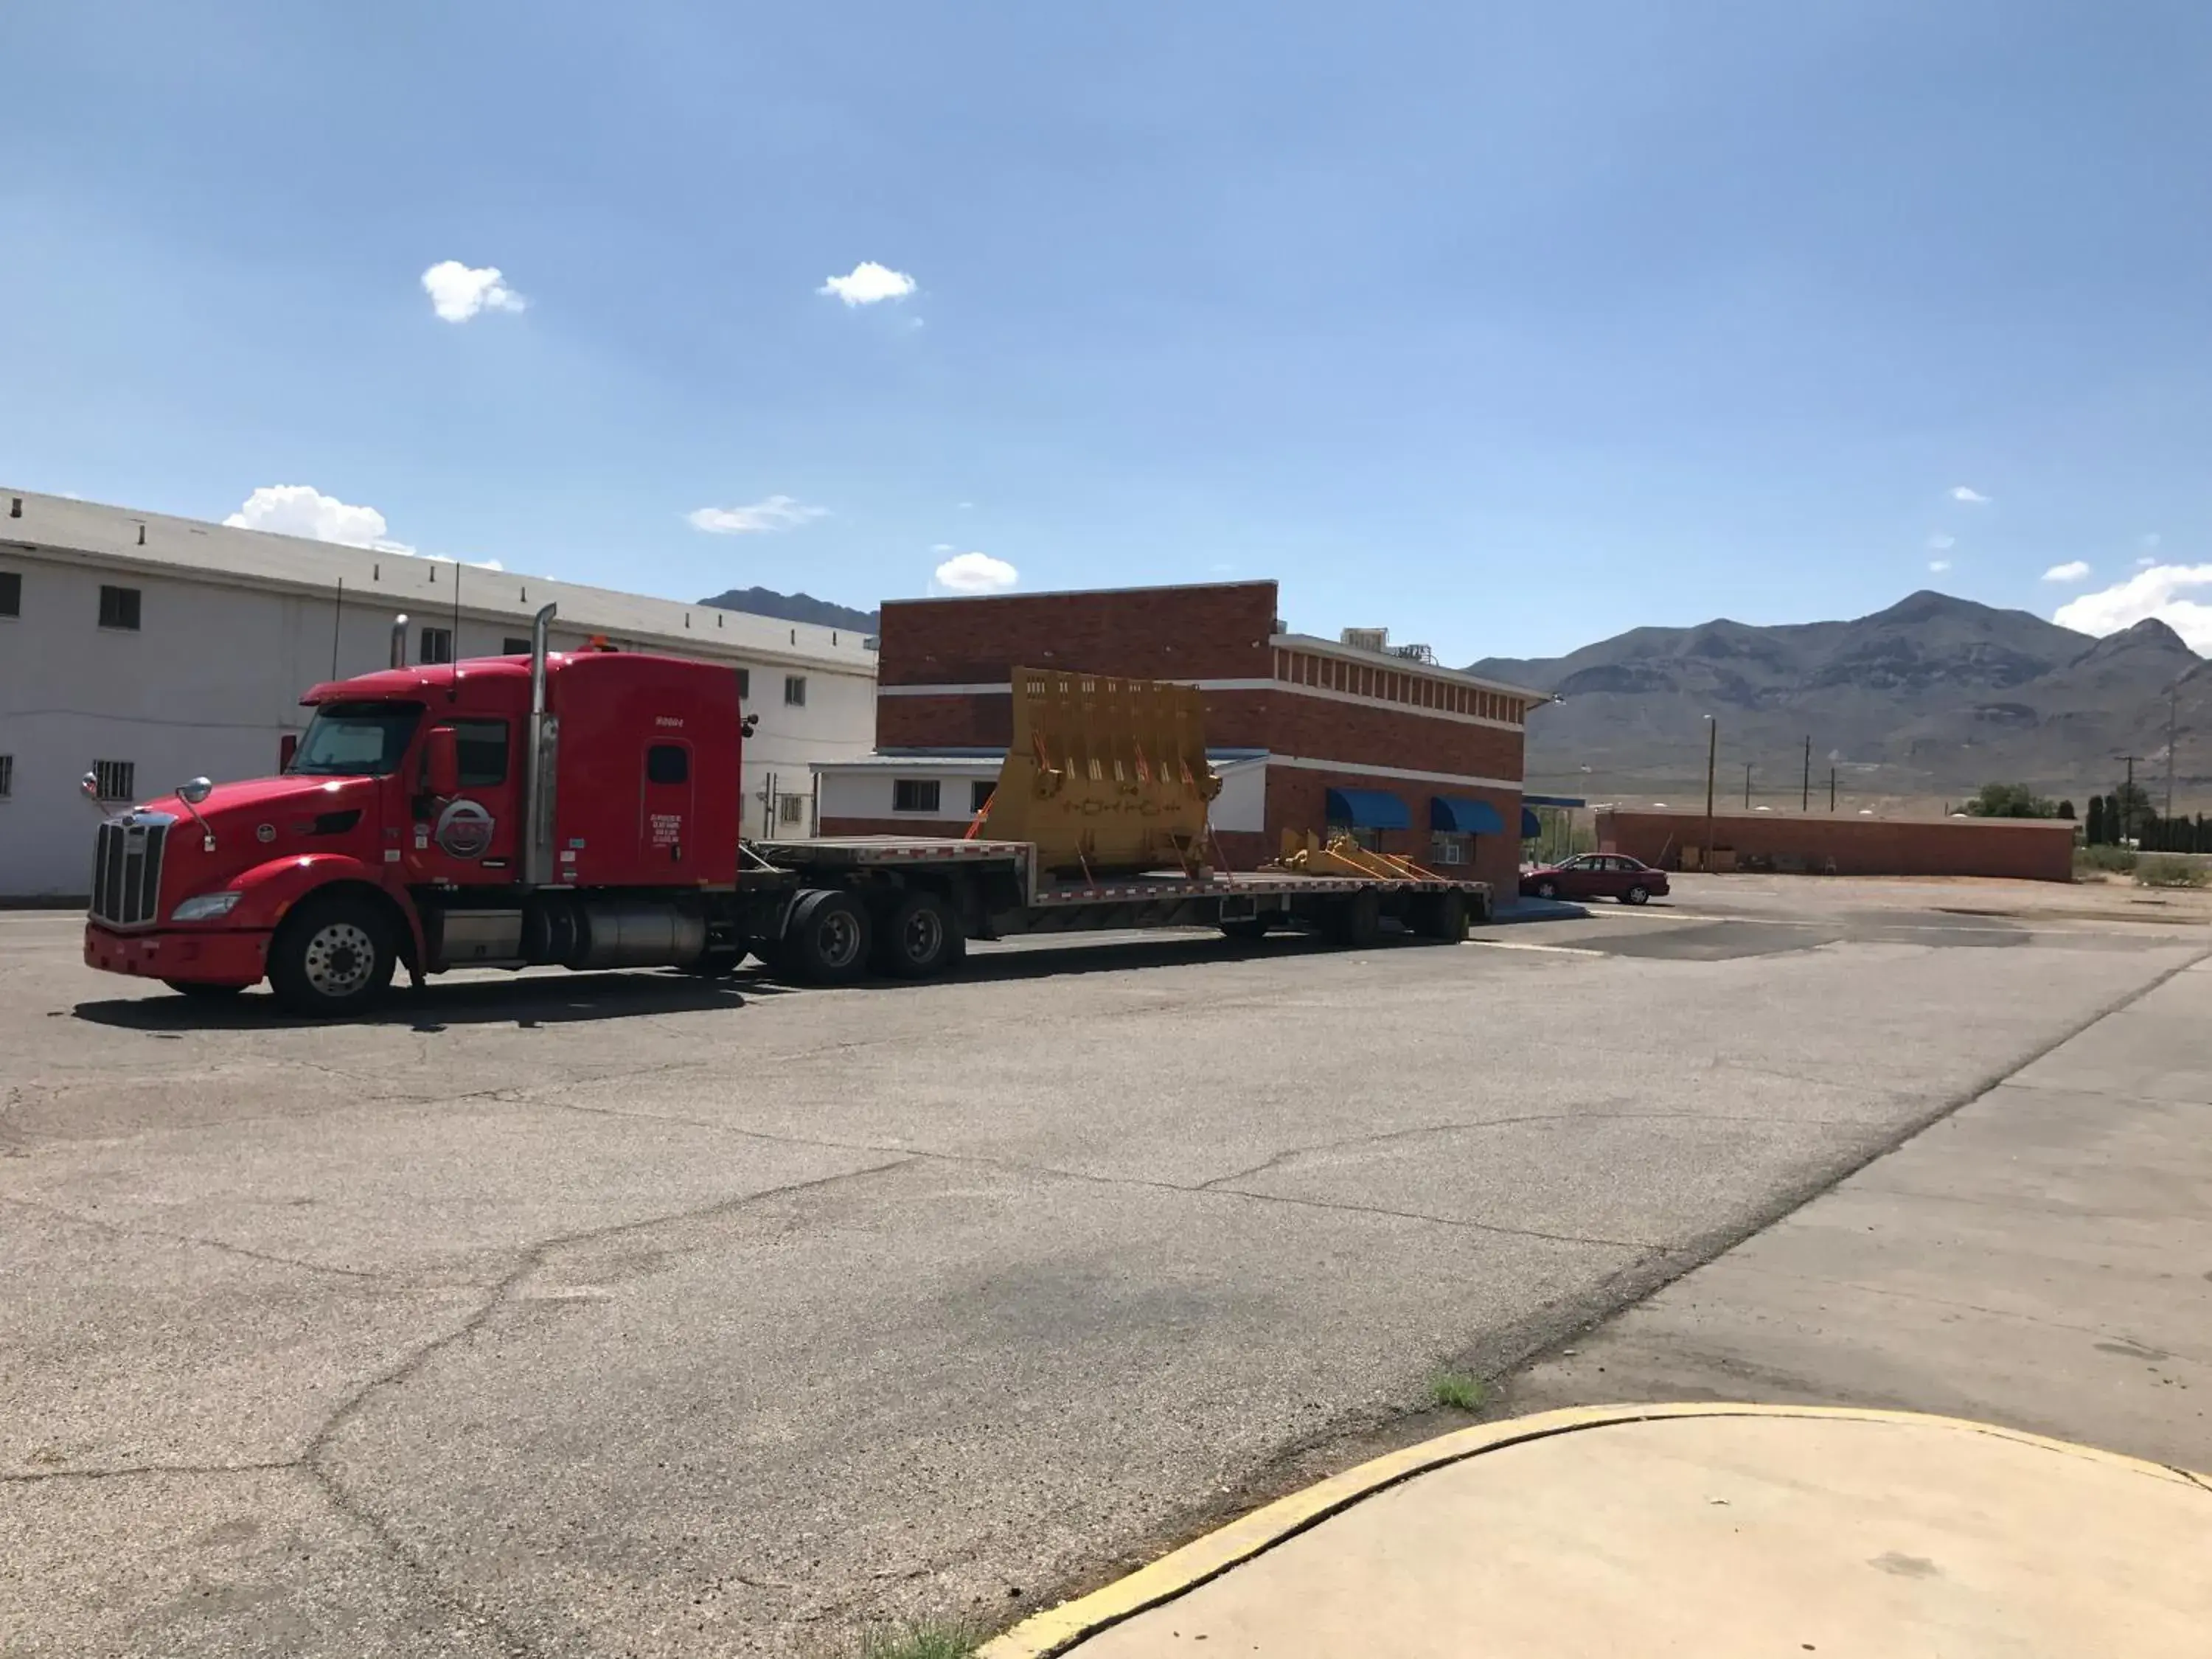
{"points": [[212, 958]]}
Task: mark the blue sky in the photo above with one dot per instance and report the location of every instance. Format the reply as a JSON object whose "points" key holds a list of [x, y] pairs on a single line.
{"points": [[1506, 326]]}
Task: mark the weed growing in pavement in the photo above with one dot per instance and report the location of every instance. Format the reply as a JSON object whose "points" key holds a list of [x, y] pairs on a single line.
{"points": [[1458, 1391], [929, 1639], [2170, 870]]}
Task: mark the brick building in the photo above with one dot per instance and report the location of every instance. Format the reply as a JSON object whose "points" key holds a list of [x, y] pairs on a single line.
{"points": [[1305, 732], [2033, 849]]}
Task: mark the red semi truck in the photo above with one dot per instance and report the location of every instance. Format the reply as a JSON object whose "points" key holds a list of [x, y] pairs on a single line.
{"points": [[583, 810]]}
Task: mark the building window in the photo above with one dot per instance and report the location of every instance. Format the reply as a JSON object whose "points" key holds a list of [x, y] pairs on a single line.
{"points": [[980, 793], [744, 685], [915, 794], [118, 608], [115, 780], [513, 646], [667, 762], [437, 645], [11, 592], [791, 809], [7, 776], [794, 690], [1447, 849]]}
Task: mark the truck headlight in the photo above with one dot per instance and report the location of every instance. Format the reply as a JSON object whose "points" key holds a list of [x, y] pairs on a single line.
{"points": [[206, 908]]}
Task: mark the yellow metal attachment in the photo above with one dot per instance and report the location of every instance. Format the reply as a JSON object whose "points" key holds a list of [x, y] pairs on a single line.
{"points": [[1105, 776], [1302, 851]]}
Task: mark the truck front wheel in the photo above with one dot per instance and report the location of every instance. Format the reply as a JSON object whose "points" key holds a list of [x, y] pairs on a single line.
{"points": [[332, 956], [827, 937]]}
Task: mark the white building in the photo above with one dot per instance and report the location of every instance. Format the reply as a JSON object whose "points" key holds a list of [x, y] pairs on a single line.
{"points": [[150, 650]]}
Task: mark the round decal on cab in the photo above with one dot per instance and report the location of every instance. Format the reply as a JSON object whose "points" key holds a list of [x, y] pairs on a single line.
{"points": [[465, 829]]}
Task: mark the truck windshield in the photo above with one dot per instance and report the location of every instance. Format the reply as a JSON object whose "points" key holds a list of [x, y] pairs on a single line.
{"points": [[356, 739]]}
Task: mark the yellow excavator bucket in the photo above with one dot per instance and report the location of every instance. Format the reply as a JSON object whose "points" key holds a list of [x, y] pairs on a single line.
{"points": [[1104, 775]]}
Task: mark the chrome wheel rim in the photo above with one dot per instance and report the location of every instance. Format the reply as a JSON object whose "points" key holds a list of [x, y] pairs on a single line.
{"points": [[339, 959]]}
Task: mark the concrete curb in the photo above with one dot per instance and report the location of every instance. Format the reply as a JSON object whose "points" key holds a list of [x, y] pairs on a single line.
{"points": [[1058, 1629]]}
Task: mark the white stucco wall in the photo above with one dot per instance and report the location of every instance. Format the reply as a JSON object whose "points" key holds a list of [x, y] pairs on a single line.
{"points": [[211, 683]]}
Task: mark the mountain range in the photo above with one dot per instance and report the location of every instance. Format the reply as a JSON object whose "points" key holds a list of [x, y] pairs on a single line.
{"points": [[796, 607], [1934, 697]]}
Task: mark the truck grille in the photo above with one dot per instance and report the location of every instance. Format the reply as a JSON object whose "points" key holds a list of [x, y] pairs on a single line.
{"points": [[126, 869]]}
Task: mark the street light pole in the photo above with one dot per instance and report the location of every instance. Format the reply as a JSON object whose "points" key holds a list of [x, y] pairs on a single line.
{"points": [[1806, 804], [1746, 786], [1712, 757]]}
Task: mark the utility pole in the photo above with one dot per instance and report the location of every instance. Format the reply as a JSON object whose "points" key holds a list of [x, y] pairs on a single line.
{"points": [[1806, 804], [2172, 701], [1831, 789], [1746, 786], [1713, 756], [2128, 798]]}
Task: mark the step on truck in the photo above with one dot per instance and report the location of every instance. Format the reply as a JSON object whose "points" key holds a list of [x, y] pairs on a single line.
{"points": [[584, 810]]}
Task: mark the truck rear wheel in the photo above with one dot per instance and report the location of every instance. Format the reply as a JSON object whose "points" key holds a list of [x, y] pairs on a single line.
{"points": [[827, 942], [919, 937], [1356, 923], [332, 956], [1441, 917]]}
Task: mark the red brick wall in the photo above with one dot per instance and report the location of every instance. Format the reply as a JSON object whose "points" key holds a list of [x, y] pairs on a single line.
{"points": [[2031, 850], [1219, 631]]}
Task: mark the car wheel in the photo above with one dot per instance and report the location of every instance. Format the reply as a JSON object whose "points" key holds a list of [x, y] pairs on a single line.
{"points": [[1547, 890], [202, 991], [828, 940], [919, 937], [332, 956], [1639, 894]]}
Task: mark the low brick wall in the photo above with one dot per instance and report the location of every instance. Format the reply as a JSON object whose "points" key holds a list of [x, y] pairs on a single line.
{"points": [[2032, 849]]}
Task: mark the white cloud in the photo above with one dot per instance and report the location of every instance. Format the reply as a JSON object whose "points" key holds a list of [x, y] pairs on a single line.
{"points": [[303, 510], [2151, 540], [1966, 493], [1939, 565], [2145, 563], [1938, 542], [2072, 571], [2157, 591], [942, 547], [867, 283], [976, 573], [457, 293], [776, 513]]}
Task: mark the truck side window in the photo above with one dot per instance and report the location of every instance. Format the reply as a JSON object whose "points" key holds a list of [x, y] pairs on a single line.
{"points": [[482, 747], [667, 762]]}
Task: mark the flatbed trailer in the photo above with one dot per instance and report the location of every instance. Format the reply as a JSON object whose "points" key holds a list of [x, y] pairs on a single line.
{"points": [[907, 906]]}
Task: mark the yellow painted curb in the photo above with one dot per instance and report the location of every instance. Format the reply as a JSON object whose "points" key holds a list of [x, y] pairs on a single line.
{"points": [[1058, 1629]]}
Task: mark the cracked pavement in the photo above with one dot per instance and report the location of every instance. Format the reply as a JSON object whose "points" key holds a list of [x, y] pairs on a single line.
{"points": [[620, 1314]]}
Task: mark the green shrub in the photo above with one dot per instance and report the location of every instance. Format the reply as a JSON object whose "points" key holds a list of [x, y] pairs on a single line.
{"points": [[2170, 870], [2119, 860]]}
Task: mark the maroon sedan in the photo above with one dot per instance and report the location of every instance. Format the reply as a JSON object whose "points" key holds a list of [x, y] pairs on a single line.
{"points": [[1594, 875]]}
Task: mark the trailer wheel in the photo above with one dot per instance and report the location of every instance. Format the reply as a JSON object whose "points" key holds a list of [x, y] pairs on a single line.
{"points": [[332, 956], [918, 938], [1356, 923], [1247, 929], [827, 943], [1442, 917]]}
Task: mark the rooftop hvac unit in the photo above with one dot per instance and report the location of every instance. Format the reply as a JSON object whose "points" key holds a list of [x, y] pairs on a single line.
{"points": [[1413, 652], [1366, 639]]}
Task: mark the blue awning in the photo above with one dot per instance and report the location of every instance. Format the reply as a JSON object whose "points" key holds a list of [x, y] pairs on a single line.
{"points": [[1464, 815], [1368, 809], [1531, 825]]}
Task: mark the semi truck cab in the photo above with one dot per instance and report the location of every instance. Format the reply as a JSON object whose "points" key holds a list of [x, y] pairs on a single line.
{"points": [[574, 808]]}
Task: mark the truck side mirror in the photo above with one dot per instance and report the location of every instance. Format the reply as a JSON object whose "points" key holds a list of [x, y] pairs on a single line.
{"points": [[286, 749], [441, 762]]}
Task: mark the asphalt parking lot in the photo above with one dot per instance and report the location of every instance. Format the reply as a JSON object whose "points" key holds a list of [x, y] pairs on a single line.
{"points": [[618, 1314]]}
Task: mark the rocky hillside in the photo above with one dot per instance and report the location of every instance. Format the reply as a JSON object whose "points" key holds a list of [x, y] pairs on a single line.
{"points": [[795, 607], [1934, 695]]}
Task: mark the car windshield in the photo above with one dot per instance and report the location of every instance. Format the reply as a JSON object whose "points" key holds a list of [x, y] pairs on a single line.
{"points": [[356, 739]]}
